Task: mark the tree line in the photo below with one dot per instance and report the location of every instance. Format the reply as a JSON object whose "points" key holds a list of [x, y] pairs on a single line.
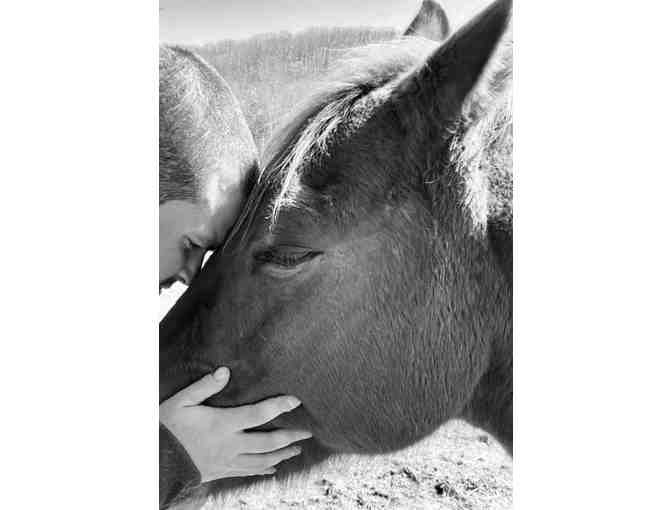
{"points": [[271, 73]]}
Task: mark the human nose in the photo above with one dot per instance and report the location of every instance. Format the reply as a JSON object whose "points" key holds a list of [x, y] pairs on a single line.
{"points": [[191, 267]]}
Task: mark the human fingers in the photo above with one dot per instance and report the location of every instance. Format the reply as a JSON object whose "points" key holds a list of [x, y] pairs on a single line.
{"points": [[234, 473], [253, 415], [266, 460], [262, 442], [248, 472], [205, 387]]}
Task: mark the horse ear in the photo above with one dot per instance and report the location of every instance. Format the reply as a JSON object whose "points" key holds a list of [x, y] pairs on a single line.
{"points": [[437, 88], [431, 22]]}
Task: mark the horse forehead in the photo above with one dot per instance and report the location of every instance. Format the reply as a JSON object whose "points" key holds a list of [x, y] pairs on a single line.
{"points": [[351, 128]]}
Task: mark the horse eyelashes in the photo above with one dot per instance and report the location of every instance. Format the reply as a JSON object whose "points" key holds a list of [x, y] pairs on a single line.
{"points": [[285, 259]]}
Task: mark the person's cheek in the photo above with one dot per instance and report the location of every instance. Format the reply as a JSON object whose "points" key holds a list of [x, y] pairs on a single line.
{"points": [[170, 260]]}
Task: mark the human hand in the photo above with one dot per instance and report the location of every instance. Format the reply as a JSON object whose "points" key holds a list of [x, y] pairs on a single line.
{"points": [[215, 438]]}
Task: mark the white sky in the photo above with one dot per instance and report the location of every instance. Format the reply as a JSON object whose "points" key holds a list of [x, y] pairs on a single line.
{"points": [[191, 21]]}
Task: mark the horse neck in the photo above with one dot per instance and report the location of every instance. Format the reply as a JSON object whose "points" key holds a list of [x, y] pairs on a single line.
{"points": [[488, 282], [491, 404]]}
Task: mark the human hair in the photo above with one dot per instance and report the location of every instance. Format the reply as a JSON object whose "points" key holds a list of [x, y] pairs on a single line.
{"points": [[201, 126]]}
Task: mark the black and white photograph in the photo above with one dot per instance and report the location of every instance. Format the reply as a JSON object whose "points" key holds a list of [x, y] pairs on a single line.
{"points": [[335, 200], [347, 317]]}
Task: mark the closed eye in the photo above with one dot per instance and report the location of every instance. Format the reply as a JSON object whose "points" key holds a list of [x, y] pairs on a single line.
{"points": [[188, 245], [284, 257]]}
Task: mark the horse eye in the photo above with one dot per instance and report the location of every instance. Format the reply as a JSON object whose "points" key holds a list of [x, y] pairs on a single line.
{"points": [[285, 257]]}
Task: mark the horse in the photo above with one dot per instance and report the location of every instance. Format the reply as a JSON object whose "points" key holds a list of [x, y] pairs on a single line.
{"points": [[370, 271]]}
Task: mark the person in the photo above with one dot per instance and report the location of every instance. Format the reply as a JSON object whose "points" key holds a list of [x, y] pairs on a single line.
{"points": [[207, 157]]}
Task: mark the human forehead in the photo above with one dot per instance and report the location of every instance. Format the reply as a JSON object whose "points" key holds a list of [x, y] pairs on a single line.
{"points": [[229, 177]]}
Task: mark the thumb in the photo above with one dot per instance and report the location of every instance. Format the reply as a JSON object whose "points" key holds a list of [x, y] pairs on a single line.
{"points": [[203, 388]]}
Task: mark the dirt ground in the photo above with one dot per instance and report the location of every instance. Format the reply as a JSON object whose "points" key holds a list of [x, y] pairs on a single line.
{"points": [[458, 467]]}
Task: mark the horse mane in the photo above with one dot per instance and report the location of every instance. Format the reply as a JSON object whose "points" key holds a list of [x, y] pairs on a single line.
{"points": [[483, 156], [484, 145]]}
